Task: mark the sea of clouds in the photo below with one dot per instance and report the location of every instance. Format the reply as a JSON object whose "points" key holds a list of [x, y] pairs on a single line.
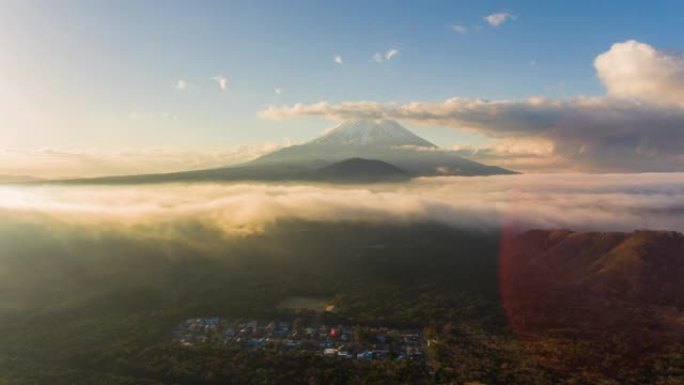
{"points": [[606, 202]]}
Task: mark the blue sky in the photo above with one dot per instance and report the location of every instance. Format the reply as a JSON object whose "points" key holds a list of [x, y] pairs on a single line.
{"points": [[102, 73]]}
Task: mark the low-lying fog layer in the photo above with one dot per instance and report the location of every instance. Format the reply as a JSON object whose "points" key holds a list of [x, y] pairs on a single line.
{"points": [[576, 201]]}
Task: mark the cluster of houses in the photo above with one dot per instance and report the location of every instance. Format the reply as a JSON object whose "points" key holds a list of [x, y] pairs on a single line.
{"points": [[360, 343]]}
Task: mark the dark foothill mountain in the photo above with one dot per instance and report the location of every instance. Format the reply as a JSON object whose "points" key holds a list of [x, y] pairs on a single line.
{"points": [[358, 170], [642, 266], [598, 303], [401, 153]]}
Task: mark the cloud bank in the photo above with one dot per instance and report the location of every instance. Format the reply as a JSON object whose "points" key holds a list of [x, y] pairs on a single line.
{"points": [[638, 126], [590, 134], [581, 202]]}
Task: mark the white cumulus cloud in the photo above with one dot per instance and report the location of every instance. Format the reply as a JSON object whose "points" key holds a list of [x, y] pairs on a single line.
{"points": [[496, 19], [337, 59], [637, 70]]}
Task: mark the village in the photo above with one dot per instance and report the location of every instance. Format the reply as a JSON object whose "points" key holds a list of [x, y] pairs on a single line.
{"points": [[338, 341]]}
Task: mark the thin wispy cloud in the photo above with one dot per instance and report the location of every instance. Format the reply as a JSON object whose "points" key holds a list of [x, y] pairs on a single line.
{"points": [[497, 19], [337, 59], [181, 85], [222, 82], [390, 54], [459, 29]]}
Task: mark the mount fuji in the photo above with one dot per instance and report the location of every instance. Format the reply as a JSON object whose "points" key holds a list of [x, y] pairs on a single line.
{"points": [[357, 151], [383, 140]]}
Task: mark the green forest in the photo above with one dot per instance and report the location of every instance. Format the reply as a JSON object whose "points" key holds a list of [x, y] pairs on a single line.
{"points": [[86, 307]]}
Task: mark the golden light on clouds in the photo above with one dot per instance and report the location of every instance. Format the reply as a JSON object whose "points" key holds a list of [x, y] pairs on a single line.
{"points": [[608, 201]]}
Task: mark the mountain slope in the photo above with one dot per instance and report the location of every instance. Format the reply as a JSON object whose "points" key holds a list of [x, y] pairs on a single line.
{"points": [[370, 133], [354, 170], [17, 179]]}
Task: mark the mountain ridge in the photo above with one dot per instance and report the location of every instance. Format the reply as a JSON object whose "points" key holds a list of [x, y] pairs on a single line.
{"points": [[617, 294], [626, 265]]}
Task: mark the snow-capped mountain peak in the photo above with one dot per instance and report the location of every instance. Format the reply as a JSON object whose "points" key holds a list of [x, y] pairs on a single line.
{"points": [[369, 132]]}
